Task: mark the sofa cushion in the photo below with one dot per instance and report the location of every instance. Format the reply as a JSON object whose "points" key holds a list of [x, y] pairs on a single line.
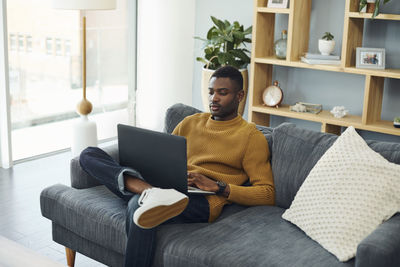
{"points": [[97, 215], [256, 236], [349, 192], [295, 151]]}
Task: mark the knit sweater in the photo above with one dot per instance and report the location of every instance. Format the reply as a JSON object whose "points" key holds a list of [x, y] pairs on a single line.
{"points": [[231, 151]]}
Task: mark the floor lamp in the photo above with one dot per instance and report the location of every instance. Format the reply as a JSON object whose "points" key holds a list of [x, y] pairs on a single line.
{"points": [[84, 131]]}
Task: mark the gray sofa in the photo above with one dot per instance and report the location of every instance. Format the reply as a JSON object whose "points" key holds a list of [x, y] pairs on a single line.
{"points": [[89, 219]]}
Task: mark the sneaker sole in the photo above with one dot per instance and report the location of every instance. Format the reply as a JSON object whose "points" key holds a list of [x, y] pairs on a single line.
{"points": [[160, 214]]}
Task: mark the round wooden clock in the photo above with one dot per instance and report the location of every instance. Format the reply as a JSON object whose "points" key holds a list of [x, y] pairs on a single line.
{"points": [[273, 95]]}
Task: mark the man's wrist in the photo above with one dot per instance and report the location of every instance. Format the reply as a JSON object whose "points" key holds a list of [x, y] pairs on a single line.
{"points": [[223, 189], [227, 191]]}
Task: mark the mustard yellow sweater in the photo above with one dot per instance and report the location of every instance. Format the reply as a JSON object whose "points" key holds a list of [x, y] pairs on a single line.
{"points": [[231, 151]]}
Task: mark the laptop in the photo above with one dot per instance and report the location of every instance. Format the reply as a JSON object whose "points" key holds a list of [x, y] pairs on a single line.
{"points": [[159, 157]]}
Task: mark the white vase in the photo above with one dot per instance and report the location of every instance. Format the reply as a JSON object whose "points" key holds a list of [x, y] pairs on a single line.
{"points": [[326, 47], [205, 78]]}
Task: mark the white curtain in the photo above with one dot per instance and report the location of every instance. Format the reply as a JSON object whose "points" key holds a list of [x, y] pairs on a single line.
{"points": [[164, 59]]}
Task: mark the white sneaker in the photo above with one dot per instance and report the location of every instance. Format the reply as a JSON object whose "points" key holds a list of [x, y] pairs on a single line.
{"points": [[158, 205]]}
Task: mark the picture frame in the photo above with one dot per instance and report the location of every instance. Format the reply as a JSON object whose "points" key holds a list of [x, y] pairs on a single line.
{"points": [[278, 3], [370, 58]]}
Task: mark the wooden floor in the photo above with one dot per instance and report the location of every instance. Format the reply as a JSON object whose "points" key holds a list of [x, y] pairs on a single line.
{"points": [[20, 217]]}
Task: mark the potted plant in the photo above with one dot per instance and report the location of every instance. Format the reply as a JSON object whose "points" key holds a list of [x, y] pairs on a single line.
{"points": [[225, 45], [326, 44], [396, 122], [372, 6]]}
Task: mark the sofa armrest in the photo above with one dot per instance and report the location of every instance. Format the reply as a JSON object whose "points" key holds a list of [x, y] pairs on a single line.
{"points": [[382, 246], [80, 179]]}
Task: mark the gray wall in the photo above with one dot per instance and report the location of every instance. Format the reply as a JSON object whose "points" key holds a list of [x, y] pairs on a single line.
{"points": [[327, 88]]}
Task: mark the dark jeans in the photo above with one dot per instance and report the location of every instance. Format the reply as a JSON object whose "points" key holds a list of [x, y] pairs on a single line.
{"points": [[141, 242]]}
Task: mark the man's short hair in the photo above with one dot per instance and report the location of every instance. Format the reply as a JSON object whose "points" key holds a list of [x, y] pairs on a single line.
{"points": [[231, 73]]}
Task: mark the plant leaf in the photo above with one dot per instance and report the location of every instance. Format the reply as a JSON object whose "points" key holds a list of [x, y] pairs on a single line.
{"points": [[248, 30], [376, 11], [201, 39], [241, 55], [202, 60], [218, 23], [225, 44]]}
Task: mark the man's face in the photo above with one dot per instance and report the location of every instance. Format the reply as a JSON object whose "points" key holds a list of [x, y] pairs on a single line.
{"points": [[224, 98]]}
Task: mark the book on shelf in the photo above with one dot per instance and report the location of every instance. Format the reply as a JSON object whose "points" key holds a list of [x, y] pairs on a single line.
{"points": [[321, 61], [319, 56]]}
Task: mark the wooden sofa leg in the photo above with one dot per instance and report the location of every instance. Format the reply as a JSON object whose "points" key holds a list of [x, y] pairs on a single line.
{"points": [[70, 256]]}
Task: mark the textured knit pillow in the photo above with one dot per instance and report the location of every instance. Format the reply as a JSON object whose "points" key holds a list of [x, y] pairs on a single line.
{"points": [[349, 192]]}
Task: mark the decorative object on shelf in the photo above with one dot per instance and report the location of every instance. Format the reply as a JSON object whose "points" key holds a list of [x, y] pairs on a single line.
{"points": [[372, 6], [370, 58], [273, 95], [396, 122], [278, 3], [311, 108], [225, 45], [319, 56], [313, 61], [298, 107], [281, 45], [326, 44], [339, 111], [84, 131]]}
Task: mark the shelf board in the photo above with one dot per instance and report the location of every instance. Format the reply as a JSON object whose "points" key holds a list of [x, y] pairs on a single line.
{"points": [[297, 64], [273, 10], [323, 117], [387, 73], [369, 16], [326, 117]]}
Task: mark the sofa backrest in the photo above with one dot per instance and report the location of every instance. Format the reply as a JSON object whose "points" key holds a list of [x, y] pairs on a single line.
{"points": [[295, 151], [175, 114]]}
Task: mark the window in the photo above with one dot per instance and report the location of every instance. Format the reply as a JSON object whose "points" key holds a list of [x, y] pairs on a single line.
{"points": [[28, 43], [49, 46], [21, 43], [13, 42], [45, 88], [67, 47], [58, 47]]}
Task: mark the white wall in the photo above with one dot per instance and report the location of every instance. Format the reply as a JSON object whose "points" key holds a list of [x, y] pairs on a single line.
{"points": [[165, 58]]}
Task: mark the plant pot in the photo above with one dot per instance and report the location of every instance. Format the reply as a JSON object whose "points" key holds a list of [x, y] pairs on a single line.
{"points": [[326, 47], [370, 7], [396, 122], [205, 78]]}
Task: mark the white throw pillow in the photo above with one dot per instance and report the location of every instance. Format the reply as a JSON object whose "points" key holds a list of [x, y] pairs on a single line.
{"points": [[349, 192]]}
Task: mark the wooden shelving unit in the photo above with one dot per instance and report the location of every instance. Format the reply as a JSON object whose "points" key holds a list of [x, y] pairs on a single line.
{"points": [[263, 62]]}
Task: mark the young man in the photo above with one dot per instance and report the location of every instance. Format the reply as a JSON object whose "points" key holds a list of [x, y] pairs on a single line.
{"points": [[224, 152]]}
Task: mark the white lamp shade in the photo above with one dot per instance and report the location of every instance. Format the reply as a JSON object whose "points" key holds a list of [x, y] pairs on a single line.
{"points": [[84, 4]]}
